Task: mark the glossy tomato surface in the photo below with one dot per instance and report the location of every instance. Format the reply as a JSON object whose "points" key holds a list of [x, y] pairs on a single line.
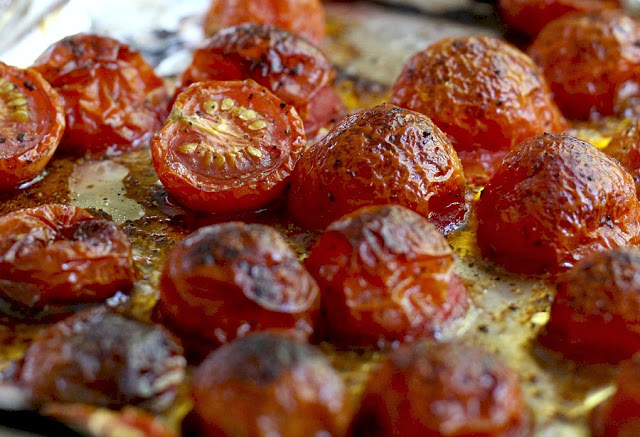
{"points": [[485, 94], [227, 147], [380, 155], [385, 274], [112, 99], [625, 147], [266, 384], [57, 255], [554, 200], [31, 125]]}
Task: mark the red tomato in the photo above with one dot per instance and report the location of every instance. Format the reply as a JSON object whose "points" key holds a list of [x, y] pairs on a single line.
{"points": [[30, 126], [435, 390], [291, 67], [385, 274], [112, 98], [625, 147], [227, 147], [302, 17], [61, 255]]}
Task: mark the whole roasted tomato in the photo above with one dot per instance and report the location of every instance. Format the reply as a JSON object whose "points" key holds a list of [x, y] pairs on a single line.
{"points": [[591, 61], [266, 385], [380, 155], [385, 274], [554, 200], [301, 17], [232, 279], [227, 147], [485, 94], [31, 125], [61, 255], [291, 67], [450, 390], [112, 98], [625, 147]]}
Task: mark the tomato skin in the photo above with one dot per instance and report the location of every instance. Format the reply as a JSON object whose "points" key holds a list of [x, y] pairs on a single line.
{"points": [[447, 389], [267, 384], [301, 17], [103, 358], [485, 94], [554, 200], [58, 254], [235, 163], [232, 279], [380, 155], [595, 316], [112, 98], [385, 274], [29, 133], [591, 61], [625, 147]]}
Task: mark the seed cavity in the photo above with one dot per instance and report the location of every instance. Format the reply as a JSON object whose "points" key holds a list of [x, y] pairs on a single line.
{"points": [[257, 153], [15, 100], [227, 103], [210, 106], [257, 125]]}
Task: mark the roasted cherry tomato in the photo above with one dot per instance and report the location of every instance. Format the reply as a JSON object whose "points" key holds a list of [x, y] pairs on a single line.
{"points": [[267, 385], [234, 278], [61, 255], [485, 94], [442, 390], [302, 17], [591, 61], [554, 200], [102, 358], [291, 67], [595, 316], [376, 156], [530, 16], [385, 274], [112, 98], [227, 146], [31, 125], [625, 147]]}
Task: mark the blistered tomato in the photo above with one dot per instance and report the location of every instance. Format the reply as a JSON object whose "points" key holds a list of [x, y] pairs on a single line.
{"points": [[625, 147]]}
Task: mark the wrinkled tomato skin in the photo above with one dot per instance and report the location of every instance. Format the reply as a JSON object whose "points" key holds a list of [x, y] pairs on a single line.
{"points": [[385, 274], [554, 200], [102, 358], [625, 147], [112, 98], [591, 62], [380, 155], [595, 316], [443, 389], [289, 66], [300, 17], [220, 160], [30, 131], [530, 16], [232, 279], [267, 384], [485, 94], [62, 255]]}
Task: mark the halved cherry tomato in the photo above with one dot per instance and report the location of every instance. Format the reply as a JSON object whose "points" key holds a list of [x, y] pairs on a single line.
{"points": [[302, 17], [227, 146], [57, 254], [112, 98], [31, 124]]}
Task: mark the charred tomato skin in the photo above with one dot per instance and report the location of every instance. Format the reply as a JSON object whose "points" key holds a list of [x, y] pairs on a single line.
{"points": [[554, 200], [595, 316], [445, 389], [267, 384], [377, 156], [112, 98], [625, 148], [232, 279], [385, 274], [591, 61], [102, 358], [485, 94], [31, 125], [58, 254]]}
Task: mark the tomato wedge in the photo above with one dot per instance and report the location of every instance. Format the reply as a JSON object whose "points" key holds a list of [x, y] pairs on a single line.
{"points": [[227, 147], [31, 125]]}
